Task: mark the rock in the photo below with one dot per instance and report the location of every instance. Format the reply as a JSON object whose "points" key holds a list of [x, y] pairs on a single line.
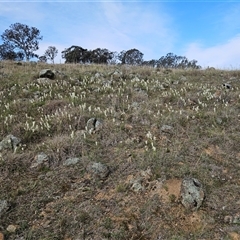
{"points": [[40, 160], [98, 75], [12, 228], [192, 193], [59, 73], [141, 181], [94, 125], [3, 206], [47, 73], [71, 161], [183, 78], [10, 142], [227, 85], [137, 185], [116, 74], [166, 129], [43, 81], [98, 170], [1, 236]]}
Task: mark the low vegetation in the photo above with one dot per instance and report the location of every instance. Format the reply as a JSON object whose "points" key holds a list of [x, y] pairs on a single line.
{"points": [[159, 126]]}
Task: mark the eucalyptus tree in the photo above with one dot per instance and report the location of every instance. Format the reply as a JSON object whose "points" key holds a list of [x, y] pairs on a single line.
{"points": [[24, 38]]}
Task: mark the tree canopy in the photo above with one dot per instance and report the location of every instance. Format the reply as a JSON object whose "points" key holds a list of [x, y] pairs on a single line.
{"points": [[21, 41], [24, 38], [131, 57], [51, 53], [7, 53], [173, 61], [75, 54]]}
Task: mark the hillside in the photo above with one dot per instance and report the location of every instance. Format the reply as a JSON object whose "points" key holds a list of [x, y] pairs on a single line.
{"points": [[101, 152]]}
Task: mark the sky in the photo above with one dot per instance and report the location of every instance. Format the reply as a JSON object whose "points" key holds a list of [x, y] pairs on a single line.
{"points": [[207, 31]]}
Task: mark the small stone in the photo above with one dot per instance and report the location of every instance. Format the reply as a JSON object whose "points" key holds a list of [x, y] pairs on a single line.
{"points": [[219, 121], [98, 170], [41, 159], [136, 185], [94, 125], [71, 161], [10, 142], [12, 228], [97, 75], [192, 193], [3, 206], [1, 236], [227, 85], [43, 80], [166, 129], [183, 78], [116, 74]]}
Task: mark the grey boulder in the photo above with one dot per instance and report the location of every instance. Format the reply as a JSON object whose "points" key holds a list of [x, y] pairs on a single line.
{"points": [[192, 193], [47, 73]]}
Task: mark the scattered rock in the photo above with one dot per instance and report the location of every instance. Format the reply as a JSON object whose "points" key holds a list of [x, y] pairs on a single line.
{"points": [[98, 170], [10, 142], [47, 73], [71, 161], [40, 160], [3, 206], [94, 125], [12, 228], [166, 129], [1, 236], [98, 75], [137, 185], [183, 78], [116, 74], [43, 81], [227, 85], [59, 73], [192, 193], [141, 181], [219, 120]]}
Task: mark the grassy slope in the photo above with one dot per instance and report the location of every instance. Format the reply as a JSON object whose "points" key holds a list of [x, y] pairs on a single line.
{"points": [[59, 202]]}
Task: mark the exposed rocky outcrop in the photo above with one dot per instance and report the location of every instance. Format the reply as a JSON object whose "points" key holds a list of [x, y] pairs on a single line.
{"points": [[98, 170], [192, 193], [40, 160], [94, 125], [46, 73], [10, 142], [71, 161]]}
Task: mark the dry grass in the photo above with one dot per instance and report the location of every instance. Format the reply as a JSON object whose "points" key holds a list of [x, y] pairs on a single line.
{"points": [[65, 202]]}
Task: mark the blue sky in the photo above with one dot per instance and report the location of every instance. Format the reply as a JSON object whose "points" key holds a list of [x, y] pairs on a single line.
{"points": [[208, 31]]}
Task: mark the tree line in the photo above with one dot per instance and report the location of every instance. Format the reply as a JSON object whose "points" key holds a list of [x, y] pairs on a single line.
{"points": [[20, 42]]}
